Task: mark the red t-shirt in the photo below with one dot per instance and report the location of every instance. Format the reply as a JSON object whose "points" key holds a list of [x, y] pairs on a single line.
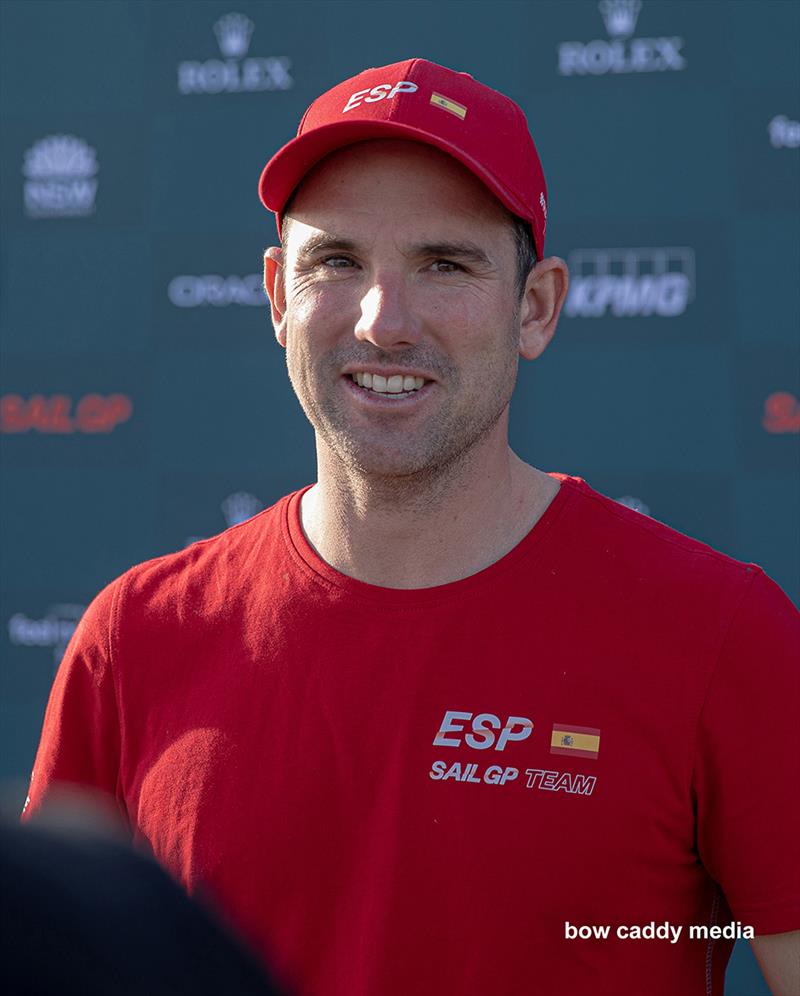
{"points": [[413, 791]]}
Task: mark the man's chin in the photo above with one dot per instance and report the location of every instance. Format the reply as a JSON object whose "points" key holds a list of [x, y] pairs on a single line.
{"points": [[386, 463]]}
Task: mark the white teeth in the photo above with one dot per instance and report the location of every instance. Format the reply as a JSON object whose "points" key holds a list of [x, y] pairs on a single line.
{"points": [[396, 384]]}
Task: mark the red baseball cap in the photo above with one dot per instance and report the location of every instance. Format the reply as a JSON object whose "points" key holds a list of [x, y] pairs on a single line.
{"points": [[423, 102]]}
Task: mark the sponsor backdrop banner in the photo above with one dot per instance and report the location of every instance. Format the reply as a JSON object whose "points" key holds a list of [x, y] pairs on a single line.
{"points": [[143, 400]]}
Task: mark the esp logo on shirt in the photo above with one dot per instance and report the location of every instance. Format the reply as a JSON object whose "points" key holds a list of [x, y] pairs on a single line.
{"points": [[380, 92], [487, 730]]}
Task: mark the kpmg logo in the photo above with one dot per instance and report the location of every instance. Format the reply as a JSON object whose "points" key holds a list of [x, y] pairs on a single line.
{"points": [[60, 178], [54, 629], [630, 283], [236, 72], [622, 53], [186, 291], [784, 133]]}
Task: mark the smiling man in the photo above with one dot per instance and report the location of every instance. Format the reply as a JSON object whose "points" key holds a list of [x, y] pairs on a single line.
{"points": [[443, 722], [396, 296]]}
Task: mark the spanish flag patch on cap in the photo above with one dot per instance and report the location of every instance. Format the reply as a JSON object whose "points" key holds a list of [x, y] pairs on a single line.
{"points": [[580, 741], [449, 105]]}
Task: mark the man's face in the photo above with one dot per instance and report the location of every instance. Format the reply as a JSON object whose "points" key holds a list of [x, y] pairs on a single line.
{"points": [[398, 263]]}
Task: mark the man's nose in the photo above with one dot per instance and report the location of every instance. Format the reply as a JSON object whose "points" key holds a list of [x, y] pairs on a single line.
{"points": [[386, 318]]}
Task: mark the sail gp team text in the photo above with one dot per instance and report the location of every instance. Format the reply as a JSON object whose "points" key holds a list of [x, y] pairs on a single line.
{"points": [[488, 732], [495, 774]]}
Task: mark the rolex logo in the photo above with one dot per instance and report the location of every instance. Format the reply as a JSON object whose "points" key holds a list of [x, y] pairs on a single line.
{"points": [[233, 33], [621, 52], [620, 16], [234, 71], [239, 507]]}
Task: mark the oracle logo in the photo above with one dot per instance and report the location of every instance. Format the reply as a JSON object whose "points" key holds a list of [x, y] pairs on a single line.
{"points": [[781, 413], [187, 291], [56, 414]]}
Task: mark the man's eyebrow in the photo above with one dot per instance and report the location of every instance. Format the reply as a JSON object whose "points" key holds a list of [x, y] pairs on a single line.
{"points": [[464, 250], [468, 251], [326, 243]]}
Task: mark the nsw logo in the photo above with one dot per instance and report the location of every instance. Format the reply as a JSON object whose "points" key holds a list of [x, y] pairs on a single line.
{"points": [[630, 283], [60, 178]]}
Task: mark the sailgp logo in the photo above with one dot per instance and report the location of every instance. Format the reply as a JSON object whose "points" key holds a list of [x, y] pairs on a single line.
{"points": [[630, 283], [623, 53]]}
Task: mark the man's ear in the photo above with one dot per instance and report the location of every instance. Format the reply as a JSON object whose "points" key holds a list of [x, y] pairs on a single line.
{"points": [[275, 286], [545, 293]]}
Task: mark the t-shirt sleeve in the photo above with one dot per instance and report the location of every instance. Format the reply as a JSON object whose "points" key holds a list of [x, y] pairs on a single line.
{"points": [[80, 741], [747, 764]]}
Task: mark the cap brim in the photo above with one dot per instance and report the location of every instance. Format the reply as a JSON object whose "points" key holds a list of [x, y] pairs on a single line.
{"points": [[291, 163]]}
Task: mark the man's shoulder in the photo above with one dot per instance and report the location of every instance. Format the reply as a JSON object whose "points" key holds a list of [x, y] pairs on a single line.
{"points": [[635, 543], [217, 565]]}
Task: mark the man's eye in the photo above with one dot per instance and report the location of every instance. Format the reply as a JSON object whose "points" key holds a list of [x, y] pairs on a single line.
{"points": [[336, 259], [447, 262]]}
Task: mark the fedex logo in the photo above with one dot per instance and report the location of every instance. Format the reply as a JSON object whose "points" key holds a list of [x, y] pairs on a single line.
{"points": [[380, 92], [486, 729]]}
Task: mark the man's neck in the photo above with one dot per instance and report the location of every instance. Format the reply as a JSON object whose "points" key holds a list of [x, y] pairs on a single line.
{"points": [[424, 534]]}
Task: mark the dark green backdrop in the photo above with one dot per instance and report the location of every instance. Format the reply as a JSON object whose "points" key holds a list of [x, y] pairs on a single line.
{"points": [[144, 400]]}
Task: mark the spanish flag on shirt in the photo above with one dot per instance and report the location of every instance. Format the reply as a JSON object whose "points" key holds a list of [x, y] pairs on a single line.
{"points": [[580, 741]]}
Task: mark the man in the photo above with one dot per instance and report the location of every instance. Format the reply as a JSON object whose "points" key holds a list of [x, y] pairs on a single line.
{"points": [[420, 726]]}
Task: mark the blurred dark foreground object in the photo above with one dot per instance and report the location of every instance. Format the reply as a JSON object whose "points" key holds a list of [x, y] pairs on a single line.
{"points": [[84, 914]]}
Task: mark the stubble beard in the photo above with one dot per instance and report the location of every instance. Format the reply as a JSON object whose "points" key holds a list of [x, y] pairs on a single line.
{"points": [[388, 459]]}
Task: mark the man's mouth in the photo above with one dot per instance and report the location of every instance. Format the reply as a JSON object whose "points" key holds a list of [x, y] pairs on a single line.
{"points": [[394, 386]]}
